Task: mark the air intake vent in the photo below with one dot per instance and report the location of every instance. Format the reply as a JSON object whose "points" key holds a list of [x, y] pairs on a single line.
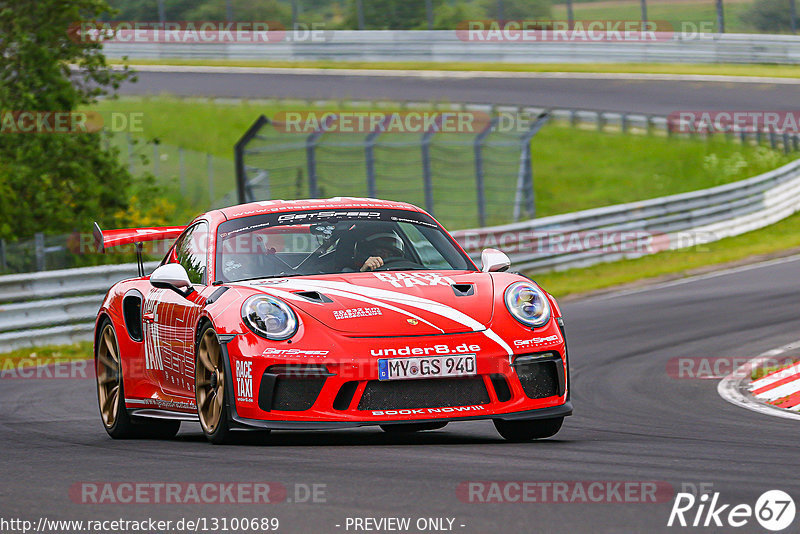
{"points": [[314, 296], [463, 290]]}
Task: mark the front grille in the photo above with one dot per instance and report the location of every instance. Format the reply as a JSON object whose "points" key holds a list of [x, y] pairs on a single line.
{"points": [[538, 379], [291, 388], [423, 393]]}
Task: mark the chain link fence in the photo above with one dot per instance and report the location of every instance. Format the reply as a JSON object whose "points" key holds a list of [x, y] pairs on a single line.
{"points": [[480, 176]]}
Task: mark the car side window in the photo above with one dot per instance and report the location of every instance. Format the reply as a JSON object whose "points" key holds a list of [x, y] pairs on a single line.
{"points": [[190, 251]]}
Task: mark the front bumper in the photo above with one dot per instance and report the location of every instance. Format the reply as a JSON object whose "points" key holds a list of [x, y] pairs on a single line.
{"points": [[297, 389]]}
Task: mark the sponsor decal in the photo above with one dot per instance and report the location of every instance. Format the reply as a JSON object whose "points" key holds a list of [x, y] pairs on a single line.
{"points": [[302, 217], [424, 351], [522, 343], [300, 353], [412, 321], [425, 411], [715, 367], [163, 404], [353, 313], [414, 279], [584, 31], [774, 510], [244, 381]]}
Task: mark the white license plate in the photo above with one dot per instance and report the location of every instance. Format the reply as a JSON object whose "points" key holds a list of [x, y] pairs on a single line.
{"points": [[426, 367]]}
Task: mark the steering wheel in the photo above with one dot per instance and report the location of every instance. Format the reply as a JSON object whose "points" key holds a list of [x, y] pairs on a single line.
{"points": [[395, 263]]}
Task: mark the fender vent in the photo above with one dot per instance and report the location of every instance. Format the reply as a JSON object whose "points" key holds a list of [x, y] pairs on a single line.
{"points": [[463, 290]]}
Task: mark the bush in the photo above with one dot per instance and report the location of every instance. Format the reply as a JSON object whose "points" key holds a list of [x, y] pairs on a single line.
{"points": [[769, 16]]}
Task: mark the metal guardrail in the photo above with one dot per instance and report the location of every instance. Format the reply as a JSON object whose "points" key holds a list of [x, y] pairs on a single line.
{"points": [[55, 307], [446, 46], [637, 229]]}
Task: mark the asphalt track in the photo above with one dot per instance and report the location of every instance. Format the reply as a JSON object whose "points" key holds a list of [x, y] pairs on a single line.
{"points": [[632, 422], [654, 96]]}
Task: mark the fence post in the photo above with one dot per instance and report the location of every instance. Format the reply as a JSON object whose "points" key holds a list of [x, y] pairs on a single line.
{"points": [[426, 163], [369, 156], [525, 175], [210, 166], [773, 142], [38, 246], [624, 122], [155, 159], [182, 170], [311, 156], [238, 155], [478, 149], [786, 142], [601, 121], [795, 143], [3, 263], [649, 124]]}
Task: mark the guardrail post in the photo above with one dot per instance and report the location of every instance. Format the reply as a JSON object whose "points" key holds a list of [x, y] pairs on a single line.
{"points": [[573, 117], [759, 136], [478, 150], [795, 143], [773, 141], [38, 247], [649, 124], [601, 121], [786, 142], [623, 122]]}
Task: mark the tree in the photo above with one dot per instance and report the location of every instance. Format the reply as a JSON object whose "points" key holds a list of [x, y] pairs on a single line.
{"points": [[55, 182], [389, 14], [517, 9], [769, 16]]}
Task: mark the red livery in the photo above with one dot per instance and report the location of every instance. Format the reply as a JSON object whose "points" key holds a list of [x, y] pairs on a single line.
{"points": [[318, 314]]}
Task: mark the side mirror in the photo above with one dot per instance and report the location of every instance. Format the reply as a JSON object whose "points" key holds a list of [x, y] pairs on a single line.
{"points": [[493, 260], [172, 276]]}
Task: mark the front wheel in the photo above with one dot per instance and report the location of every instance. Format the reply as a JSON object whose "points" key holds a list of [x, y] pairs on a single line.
{"points": [[528, 429], [209, 386]]}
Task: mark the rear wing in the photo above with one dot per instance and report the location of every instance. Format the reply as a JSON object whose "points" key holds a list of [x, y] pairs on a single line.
{"points": [[127, 236]]}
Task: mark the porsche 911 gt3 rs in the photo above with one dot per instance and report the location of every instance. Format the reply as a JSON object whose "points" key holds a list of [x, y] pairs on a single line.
{"points": [[319, 314]]}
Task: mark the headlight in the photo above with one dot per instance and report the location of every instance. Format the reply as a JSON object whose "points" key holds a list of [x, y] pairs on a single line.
{"points": [[528, 304], [269, 317]]}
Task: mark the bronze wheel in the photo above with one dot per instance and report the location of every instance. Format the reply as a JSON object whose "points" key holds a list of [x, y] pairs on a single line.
{"points": [[210, 384], [111, 393], [109, 377]]}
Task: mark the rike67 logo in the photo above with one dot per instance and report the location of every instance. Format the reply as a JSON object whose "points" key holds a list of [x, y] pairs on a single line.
{"points": [[774, 510]]}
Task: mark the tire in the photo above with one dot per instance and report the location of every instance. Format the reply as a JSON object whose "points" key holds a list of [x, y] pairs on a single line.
{"points": [[111, 394], [412, 427], [528, 429], [210, 388]]}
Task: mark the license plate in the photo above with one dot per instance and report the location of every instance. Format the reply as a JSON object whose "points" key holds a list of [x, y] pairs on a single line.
{"points": [[426, 367]]}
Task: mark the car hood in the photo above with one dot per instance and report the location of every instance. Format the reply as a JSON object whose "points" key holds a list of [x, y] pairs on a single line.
{"points": [[377, 304]]}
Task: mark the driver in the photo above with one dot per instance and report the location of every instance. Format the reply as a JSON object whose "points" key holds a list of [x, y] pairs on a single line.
{"points": [[377, 249]]}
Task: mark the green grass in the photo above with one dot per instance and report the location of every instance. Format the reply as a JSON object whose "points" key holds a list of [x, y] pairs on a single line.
{"points": [[686, 16], [30, 357], [773, 239], [718, 69], [574, 169]]}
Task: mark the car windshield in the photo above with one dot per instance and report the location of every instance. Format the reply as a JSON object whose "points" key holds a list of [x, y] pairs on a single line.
{"points": [[331, 242]]}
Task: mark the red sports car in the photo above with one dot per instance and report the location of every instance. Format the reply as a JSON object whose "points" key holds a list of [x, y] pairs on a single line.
{"points": [[319, 314]]}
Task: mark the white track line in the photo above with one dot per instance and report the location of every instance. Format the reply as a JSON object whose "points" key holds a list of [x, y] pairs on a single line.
{"points": [[457, 74], [734, 387]]}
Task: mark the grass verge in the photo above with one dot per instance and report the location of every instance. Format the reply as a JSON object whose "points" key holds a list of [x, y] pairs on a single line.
{"points": [[759, 244], [717, 69], [33, 356]]}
